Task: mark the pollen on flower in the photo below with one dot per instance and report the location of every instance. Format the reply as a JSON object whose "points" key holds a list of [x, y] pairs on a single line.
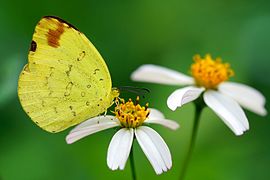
{"points": [[131, 114], [210, 73]]}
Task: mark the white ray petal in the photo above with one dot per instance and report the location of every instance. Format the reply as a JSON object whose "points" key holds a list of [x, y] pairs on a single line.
{"points": [[156, 117], [95, 120], [182, 96], [228, 110], [246, 96], [164, 122], [155, 149], [91, 126], [158, 74], [119, 148], [156, 114]]}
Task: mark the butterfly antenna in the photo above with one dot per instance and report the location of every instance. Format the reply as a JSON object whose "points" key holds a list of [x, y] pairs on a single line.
{"points": [[136, 90]]}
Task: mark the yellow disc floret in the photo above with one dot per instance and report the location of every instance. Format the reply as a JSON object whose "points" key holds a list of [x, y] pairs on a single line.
{"points": [[210, 73], [130, 114]]}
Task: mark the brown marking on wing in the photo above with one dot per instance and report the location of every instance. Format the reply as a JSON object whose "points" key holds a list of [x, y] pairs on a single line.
{"points": [[33, 46], [53, 36]]}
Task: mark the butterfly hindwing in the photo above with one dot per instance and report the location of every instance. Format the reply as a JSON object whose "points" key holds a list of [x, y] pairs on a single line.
{"points": [[66, 80]]}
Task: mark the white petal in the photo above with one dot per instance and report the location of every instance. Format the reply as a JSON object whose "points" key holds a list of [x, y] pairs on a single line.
{"points": [[246, 96], [164, 122], [155, 149], [119, 148], [156, 117], [91, 126], [182, 96], [157, 74], [155, 114], [228, 110]]}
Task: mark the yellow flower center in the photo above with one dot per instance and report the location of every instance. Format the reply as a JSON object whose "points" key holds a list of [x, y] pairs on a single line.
{"points": [[130, 114], [210, 73]]}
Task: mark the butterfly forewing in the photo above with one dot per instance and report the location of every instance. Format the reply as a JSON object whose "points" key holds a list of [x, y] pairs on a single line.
{"points": [[66, 80]]}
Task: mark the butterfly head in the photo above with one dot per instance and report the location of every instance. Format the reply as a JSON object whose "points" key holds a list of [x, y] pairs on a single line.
{"points": [[115, 93]]}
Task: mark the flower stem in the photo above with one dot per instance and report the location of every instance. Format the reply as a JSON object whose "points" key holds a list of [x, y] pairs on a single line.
{"points": [[132, 164], [199, 105]]}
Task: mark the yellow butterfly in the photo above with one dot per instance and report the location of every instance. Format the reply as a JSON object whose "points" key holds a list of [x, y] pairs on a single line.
{"points": [[66, 81]]}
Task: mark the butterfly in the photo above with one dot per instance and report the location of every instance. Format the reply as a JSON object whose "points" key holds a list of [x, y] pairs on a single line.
{"points": [[66, 81]]}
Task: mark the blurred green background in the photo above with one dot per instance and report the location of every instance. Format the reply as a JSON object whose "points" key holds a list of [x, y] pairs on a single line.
{"points": [[128, 34]]}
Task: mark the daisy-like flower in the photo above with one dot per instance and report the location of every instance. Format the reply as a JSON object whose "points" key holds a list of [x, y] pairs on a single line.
{"points": [[131, 118], [209, 77]]}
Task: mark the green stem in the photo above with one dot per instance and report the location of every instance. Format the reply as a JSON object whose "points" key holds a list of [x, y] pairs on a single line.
{"points": [[198, 109], [132, 164]]}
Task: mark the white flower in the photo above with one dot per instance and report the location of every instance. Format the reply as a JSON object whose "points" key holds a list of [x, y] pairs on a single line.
{"points": [[209, 76], [130, 117]]}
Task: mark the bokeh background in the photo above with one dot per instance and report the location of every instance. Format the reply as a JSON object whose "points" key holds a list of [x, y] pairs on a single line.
{"points": [[128, 34]]}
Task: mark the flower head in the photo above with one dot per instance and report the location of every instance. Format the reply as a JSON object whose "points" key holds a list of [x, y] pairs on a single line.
{"points": [[210, 73], [130, 114], [209, 77], [131, 117]]}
